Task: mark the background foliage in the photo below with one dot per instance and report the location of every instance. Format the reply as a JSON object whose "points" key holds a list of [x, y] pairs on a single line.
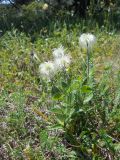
{"points": [[32, 16]]}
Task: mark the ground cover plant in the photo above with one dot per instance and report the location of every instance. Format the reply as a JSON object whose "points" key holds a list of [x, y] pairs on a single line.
{"points": [[60, 98]]}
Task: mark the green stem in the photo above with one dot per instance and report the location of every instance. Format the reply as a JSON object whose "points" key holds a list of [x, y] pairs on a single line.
{"points": [[88, 63]]}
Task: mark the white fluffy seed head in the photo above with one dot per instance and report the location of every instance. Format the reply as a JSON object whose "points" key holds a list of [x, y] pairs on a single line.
{"points": [[87, 41], [62, 62], [47, 69], [45, 6], [58, 52]]}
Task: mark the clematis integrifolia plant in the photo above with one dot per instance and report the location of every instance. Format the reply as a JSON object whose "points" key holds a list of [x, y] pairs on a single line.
{"points": [[87, 41]]}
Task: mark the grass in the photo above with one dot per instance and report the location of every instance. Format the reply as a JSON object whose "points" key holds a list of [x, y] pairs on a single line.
{"points": [[68, 118]]}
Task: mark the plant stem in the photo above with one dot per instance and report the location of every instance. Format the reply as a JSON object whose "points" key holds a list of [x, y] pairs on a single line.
{"points": [[88, 65]]}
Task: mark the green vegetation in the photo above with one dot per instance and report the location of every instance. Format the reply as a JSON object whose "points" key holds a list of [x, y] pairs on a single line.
{"points": [[72, 113], [69, 117]]}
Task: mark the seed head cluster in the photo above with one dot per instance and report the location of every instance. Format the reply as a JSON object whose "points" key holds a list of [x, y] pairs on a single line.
{"points": [[60, 62]]}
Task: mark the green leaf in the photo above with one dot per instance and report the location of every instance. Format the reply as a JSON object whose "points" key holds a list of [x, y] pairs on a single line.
{"points": [[117, 146], [56, 92], [57, 110], [104, 90], [86, 89], [56, 126], [88, 98], [43, 136], [64, 84]]}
